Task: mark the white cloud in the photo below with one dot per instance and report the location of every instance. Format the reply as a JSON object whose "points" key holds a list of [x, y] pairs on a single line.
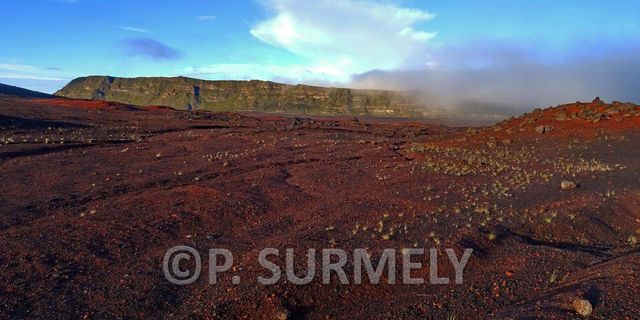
{"points": [[206, 18], [29, 77], [23, 71], [322, 73], [340, 38], [16, 67], [134, 29]]}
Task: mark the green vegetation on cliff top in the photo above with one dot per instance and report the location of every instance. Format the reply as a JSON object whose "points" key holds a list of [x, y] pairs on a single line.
{"points": [[254, 95]]}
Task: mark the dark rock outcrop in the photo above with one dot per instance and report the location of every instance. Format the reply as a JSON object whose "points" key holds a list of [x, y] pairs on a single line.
{"points": [[8, 90]]}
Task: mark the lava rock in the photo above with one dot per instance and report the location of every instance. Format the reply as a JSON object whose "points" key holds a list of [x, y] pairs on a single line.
{"points": [[568, 185], [583, 307], [561, 117], [282, 315], [543, 129]]}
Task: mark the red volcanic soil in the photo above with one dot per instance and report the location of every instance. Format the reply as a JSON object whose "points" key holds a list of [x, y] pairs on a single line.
{"points": [[93, 194], [95, 105], [85, 104]]}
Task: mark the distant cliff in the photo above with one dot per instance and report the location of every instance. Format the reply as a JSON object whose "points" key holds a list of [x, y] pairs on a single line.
{"points": [[263, 96], [8, 90]]}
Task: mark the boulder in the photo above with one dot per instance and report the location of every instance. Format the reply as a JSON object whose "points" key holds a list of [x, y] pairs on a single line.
{"points": [[568, 185], [583, 307], [543, 129]]}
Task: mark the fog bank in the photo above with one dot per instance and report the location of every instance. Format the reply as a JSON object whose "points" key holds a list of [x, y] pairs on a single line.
{"points": [[514, 80]]}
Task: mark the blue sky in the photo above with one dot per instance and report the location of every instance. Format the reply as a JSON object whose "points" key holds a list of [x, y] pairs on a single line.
{"points": [[46, 43]]}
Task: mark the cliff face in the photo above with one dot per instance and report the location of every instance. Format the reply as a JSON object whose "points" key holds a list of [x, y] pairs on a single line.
{"points": [[263, 96]]}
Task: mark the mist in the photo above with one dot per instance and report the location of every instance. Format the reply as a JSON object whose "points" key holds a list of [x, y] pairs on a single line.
{"points": [[511, 80]]}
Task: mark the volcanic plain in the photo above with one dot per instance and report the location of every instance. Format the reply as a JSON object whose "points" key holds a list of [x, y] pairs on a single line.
{"points": [[93, 193]]}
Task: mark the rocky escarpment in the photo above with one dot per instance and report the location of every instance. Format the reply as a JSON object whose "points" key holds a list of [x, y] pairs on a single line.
{"points": [[263, 96]]}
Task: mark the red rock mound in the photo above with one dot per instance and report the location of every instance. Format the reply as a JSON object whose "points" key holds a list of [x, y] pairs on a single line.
{"points": [[87, 104], [579, 120]]}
